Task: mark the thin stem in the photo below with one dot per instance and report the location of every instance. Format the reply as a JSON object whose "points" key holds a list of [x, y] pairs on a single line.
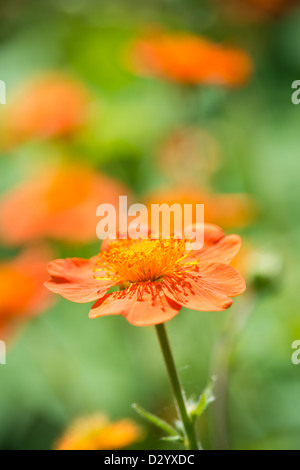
{"points": [[221, 368], [191, 438]]}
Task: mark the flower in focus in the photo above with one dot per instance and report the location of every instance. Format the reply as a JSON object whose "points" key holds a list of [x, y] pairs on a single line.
{"points": [[58, 203], [190, 59], [22, 293], [97, 433], [226, 210], [156, 277], [49, 106]]}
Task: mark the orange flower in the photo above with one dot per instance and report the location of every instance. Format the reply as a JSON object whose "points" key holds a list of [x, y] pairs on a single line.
{"points": [[58, 203], [227, 210], [50, 106], [97, 433], [156, 277], [190, 59], [22, 293]]}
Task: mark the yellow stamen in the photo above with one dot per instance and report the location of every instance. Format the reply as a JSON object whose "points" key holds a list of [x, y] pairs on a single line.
{"points": [[131, 261]]}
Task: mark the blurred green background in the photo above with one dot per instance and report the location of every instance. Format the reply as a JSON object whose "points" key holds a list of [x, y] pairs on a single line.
{"points": [[64, 365]]}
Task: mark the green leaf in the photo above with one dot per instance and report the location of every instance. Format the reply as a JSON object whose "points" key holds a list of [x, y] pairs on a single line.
{"points": [[160, 423], [173, 439], [205, 399]]}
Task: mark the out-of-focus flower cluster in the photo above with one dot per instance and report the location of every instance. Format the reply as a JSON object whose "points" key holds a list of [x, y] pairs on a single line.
{"points": [[95, 432]]}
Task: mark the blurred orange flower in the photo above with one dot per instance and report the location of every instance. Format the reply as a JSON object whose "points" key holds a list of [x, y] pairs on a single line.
{"points": [[189, 154], [190, 59], [156, 277], [97, 433], [226, 210], [59, 203], [22, 293], [50, 106]]}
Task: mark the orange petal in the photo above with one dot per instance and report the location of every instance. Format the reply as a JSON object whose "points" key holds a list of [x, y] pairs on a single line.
{"points": [[142, 305], [212, 234], [73, 279], [208, 290], [221, 252]]}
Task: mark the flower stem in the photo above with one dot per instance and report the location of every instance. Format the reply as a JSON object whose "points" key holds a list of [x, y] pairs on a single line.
{"points": [[191, 438]]}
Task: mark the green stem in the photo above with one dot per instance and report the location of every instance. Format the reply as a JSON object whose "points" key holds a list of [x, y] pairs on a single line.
{"points": [[191, 438]]}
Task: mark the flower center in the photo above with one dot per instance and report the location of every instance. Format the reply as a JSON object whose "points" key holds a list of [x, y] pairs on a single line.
{"points": [[130, 261]]}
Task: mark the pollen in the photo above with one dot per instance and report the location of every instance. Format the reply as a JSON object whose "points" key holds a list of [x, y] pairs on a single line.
{"points": [[131, 261]]}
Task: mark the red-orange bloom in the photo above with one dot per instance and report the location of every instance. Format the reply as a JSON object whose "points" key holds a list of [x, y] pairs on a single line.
{"points": [[227, 210], [156, 277], [22, 293], [190, 59], [95, 432], [50, 106], [58, 203]]}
